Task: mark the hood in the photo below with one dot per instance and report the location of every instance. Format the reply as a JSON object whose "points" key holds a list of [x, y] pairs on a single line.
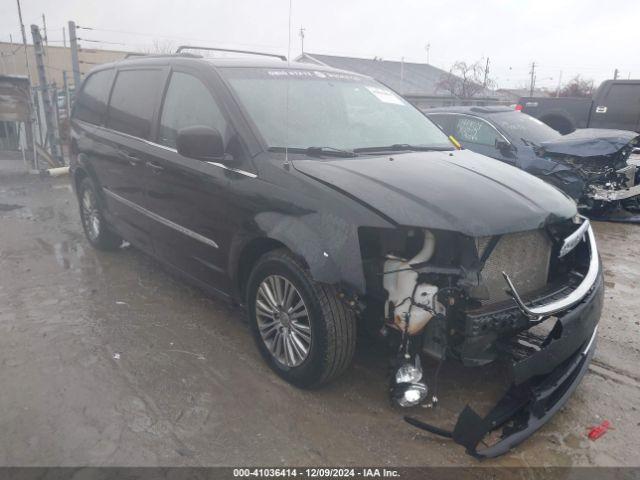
{"points": [[590, 142], [458, 191]]}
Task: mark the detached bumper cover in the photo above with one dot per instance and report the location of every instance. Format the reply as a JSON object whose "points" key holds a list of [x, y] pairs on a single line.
{"points": [[542, 382]]}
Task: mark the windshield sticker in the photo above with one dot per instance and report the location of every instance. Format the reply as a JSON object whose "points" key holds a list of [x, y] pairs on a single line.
{"points": [[312, 74], [469, 130], [386, 96]]}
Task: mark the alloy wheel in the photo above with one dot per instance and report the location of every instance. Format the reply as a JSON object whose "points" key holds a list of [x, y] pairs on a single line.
{"points": [[283, 320], [90, 214]]}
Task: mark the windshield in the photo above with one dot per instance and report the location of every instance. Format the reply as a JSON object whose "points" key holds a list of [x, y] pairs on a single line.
{"points": [[329, 110], [524, 127]]}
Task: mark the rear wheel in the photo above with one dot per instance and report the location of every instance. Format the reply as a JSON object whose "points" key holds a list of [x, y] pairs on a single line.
{"points": [[95, 227], [302, 329]]}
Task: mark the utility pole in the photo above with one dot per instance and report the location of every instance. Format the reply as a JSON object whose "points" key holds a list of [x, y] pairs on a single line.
{"points": [[52, 126], [615, 74], [24, 42], [427, 47], [29, 132], [302, 38], [44, 29], [75, 65], [559, 84], [486, 73], [533, 78], [64, 37]]}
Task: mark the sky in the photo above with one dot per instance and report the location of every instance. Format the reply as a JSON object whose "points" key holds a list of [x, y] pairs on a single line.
{"points": [[586, 37]]}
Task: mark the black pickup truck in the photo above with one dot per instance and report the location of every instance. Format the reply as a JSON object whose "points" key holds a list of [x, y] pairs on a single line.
{"points": [[616, 104]]}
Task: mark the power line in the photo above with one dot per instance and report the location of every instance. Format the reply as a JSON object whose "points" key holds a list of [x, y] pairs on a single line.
{"points": [[171, 37], [100, 41]]}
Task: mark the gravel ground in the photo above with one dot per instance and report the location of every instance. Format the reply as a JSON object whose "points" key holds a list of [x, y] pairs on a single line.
{"points": [[107, 359]]}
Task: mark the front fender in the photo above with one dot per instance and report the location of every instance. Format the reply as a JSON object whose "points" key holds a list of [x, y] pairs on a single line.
{"points": [[327, 243]]}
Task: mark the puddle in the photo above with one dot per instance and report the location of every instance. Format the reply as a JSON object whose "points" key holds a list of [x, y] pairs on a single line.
{"points": [[7, 207]]}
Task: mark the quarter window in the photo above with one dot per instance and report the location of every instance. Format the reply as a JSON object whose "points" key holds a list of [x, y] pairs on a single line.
{"points": [[91, 104], [133, 101], [188, 103]]}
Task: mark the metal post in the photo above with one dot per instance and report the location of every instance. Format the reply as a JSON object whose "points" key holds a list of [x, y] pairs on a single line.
{"points": [[30, 132], [66, 93], [52, 137], [615, 74], [75, 64]]}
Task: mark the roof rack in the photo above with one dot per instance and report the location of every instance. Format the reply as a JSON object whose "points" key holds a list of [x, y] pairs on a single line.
{"points": [[249, 52], [140, 54]]}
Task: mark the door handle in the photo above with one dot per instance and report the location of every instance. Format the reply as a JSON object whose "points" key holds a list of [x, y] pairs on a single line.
{"points": [[132, 158], [156, 167]]}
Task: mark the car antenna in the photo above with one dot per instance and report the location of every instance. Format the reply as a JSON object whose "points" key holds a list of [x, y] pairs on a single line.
{"points": [[286, 108]]}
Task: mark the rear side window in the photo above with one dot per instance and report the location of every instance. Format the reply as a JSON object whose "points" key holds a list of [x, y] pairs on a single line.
{"points": [[445, 122], [133, 101], [473, 130], [91, 104], [188, 103]]}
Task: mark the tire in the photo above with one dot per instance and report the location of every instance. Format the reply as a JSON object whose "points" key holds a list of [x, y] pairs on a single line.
{"points": [[331, 325], [94, 224]]}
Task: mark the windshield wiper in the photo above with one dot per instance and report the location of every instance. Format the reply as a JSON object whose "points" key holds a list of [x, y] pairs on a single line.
{"points": [[316, 151], [529, 143], [399, 147], [336, 152]]}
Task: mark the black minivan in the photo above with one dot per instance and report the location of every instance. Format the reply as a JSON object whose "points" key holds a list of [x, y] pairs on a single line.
{"points": [[323, 202]]}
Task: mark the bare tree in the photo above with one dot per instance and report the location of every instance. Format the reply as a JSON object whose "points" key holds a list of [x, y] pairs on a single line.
{"points": [[160, 47], [577, 87], [465, 80]]}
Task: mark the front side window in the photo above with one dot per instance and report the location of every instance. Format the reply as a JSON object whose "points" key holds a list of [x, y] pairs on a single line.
{"points": [[523, 126], [188, 103], [91, 104], [307, 108], [133, 101], [473, 130]]}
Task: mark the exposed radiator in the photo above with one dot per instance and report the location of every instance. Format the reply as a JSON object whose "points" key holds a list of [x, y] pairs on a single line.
{"points": [[524, 256]]}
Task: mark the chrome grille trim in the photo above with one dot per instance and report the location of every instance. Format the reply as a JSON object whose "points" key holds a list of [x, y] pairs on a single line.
{"points": [[575, 297], [525, 255]]}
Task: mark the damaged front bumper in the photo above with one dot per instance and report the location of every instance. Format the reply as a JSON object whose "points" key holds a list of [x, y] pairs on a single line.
{"points": [[544, 369]]}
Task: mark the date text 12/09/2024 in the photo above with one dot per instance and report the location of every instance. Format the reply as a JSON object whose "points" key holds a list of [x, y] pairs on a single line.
{"points": [[315, 472]]}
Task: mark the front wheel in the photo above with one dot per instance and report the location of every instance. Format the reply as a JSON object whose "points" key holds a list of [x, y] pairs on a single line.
{"points": [[302, 329]]}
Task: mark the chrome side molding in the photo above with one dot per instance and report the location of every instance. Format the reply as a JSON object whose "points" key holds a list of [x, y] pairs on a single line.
{"points": [[158, 218], [557, 306]]}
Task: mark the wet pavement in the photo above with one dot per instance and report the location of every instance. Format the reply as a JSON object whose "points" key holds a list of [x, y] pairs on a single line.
{"points": [[108, 359]]}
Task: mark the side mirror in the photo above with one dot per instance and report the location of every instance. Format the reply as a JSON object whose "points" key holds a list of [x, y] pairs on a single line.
{"points": [[504, 146], [201, 143]]}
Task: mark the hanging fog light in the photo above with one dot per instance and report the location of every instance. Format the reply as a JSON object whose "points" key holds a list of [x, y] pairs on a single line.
{"points": [[408, 373], [407, 390], [409, 394]]}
